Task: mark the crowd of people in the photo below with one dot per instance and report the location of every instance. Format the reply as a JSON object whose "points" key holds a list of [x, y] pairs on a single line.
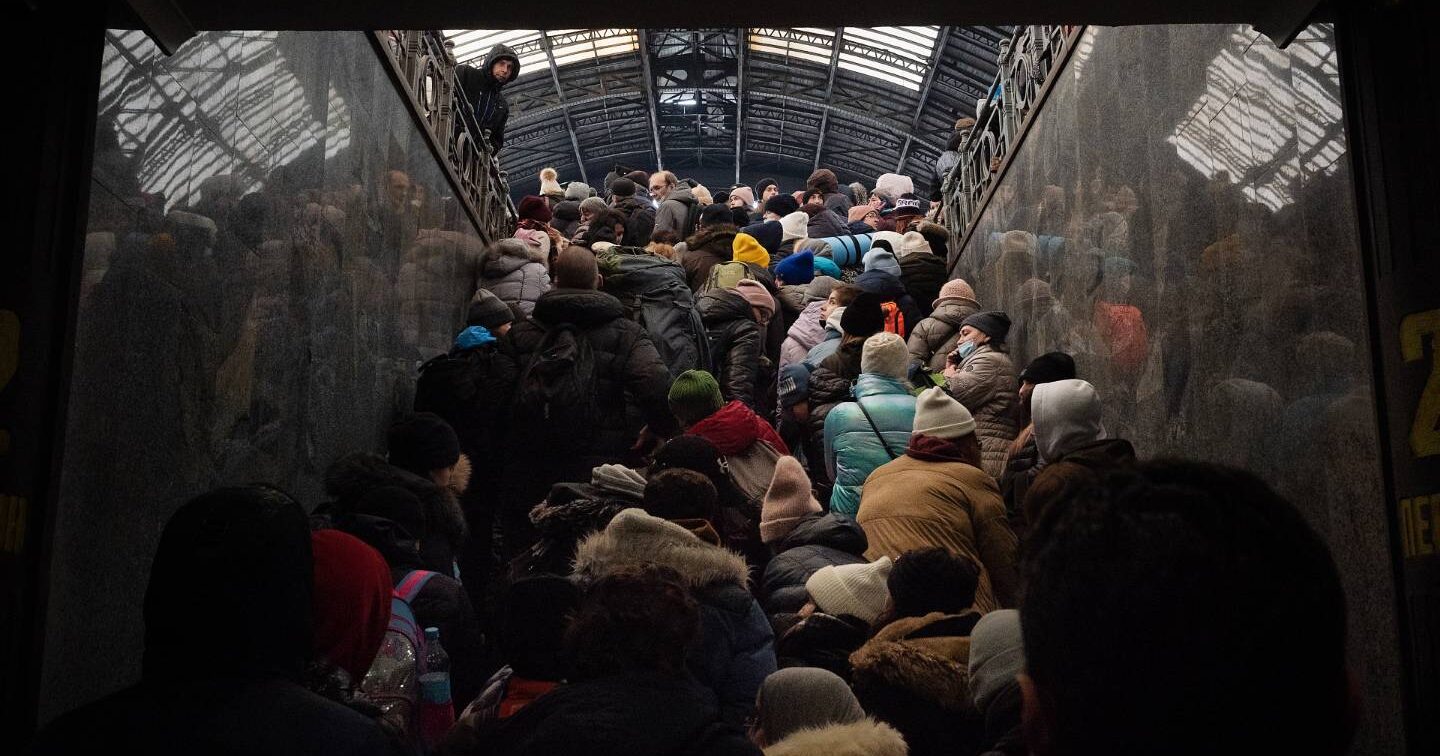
{"points": [[737, 473]]}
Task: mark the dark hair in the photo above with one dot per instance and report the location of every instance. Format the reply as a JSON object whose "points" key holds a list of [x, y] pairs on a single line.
{"points": [[932, 580], [635, 619], [680, 494], [602, 227], [665, 236], [812, 193], [534, 614], [1182, 607], [845, 293]]}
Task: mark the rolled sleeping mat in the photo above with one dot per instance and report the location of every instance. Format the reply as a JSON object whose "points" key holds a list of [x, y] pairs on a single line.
{"points": [[847, 251]]}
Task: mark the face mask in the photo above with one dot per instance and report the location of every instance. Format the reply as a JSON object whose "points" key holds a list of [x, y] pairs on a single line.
{"points": [[966, 349]]}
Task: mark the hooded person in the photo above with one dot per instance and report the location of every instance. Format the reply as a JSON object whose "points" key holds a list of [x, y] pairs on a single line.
{"points": [[811, 712], [771, 235], [821, 223], [737, 650], [933, 339], [424, 445], [937, 495], [997, 658], [844, 600], [737, 339], [882, 278], [481, 86], [233, 571], [1022, 461], [566, 217], [677, 204], [1073, 447], [803, 538], [921, 270], [980, 375], [871, 430], [750, 446], [515, 272], [823, 181]]}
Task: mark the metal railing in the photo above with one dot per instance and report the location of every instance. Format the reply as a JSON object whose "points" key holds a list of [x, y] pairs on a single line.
{"points": [[1027, 61], [424, 64]]}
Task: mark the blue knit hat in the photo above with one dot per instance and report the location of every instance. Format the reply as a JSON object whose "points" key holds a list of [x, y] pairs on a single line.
{"points": [[824, 266], [768, 233], [798, 268]]}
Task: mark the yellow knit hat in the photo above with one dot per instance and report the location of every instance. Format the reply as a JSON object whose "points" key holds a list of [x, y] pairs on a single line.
{"points": [[747, 249]]}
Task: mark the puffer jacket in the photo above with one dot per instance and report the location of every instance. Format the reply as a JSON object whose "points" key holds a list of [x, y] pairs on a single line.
{"points": [[817, 541], [791, 298], [913, 504], [933, 339], [807, 331], [890, 289], [852, 449], [566, 218], [354, 475], [737, 650], [830, 384], [923, 273], [515, 272], [736, 345], [673, 212], [986, 384], [705, 250], [824, 225]]}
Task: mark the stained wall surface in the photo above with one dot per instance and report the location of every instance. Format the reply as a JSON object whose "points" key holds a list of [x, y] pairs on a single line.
{"points": [[272, 248], [1180, 219]]}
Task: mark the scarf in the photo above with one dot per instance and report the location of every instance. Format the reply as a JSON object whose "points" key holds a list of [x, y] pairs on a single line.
{"points": [[932, 449]]}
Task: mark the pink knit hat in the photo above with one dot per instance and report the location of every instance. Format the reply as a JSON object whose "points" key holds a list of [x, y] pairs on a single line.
{"points": [[787, 502], [758, 296], [955, 288]]}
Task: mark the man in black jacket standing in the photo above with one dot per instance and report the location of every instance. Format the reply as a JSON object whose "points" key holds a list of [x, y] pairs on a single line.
{"points": [[482, 90]]}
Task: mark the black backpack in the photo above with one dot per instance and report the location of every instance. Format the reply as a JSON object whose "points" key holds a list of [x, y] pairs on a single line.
{"points": [[449, 385], [656, 296], [692, 219], [555, 396]]}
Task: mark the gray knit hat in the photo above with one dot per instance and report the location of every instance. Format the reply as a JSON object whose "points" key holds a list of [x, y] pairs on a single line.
{"points": [[819, 288], [799, 698], [619, 479], [997, 655], [488, 310], [578, 190]]}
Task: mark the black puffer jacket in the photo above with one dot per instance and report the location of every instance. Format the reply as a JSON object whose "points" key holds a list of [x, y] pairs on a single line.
{"points": [[355, 475], [819, 540], [923, 274], [822, 640], [736, 344], [639, 220], [890, 289], [483, 92], [704, 250]]}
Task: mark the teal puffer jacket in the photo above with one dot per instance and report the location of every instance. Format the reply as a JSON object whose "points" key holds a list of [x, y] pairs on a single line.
{"points": [[852, 449]]}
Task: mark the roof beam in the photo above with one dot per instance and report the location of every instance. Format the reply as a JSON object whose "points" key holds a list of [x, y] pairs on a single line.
{"points": [[829, 92], [740, 40], [650, 101], [564, 106], [929, 83]]}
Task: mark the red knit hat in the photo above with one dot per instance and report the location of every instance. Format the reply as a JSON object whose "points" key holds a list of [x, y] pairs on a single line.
{"points": [[534, 208]]}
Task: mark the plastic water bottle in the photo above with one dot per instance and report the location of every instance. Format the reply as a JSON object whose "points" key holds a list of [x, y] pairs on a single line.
{"points": [[437, 714]]}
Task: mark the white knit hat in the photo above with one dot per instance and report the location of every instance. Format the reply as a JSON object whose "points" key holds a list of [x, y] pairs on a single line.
{"points": [[914, 242], [938, 414], [858, 590], [885, 354], [795, 226], [550, 184]]}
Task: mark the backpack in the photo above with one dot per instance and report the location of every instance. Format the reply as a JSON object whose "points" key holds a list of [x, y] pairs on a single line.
{"points": [[655, 296], [393, 681], [556, 391], [639, 227], [692, 219], [1122, 328], [894, 318], [449, 384], [726, 275]]}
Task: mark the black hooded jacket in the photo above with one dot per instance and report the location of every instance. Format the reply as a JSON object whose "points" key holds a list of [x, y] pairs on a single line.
{"points": [[736, 345], [484, 95], [819, 540]]}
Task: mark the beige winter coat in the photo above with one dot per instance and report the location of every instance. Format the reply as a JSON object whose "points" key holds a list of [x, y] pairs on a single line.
{"points": [[986, 383], [934, 338]]}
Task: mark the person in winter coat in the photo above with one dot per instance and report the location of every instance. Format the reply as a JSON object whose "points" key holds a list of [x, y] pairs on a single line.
{"points": [[844, 601], [639, 213], [233, 572], [809, 326], [515, 272], [572, 511], [863, 219], [803, 538], [736, 651], [688, 497], [830, 382], [933, 339], [981, 376], [997, 658], [937, 495], [629, 693], [391, 520], [630, 385], [811, 712], [824, 182], [566, 217], [1022, 461], [750, 446], [882, 278], [921, 270], [1073, 446], [739, 513], [424, 445], [872, 430], [736, 343], [482, 90], [822, 223], [713, 243], [676, 201]]}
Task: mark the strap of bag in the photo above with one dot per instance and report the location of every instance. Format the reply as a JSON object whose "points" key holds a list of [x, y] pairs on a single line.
{"points": [[875, 429], [411, 585]]}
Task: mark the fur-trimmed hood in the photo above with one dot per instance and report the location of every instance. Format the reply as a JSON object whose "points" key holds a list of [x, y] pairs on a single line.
{"points": [[634, 537], [866, 737], [354, 475], [917, 655]]}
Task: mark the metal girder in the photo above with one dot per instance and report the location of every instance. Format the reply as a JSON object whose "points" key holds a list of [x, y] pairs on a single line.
{"points": [[829, 92], [925, 87], [564, 106], [740, 35], [650, 97]]}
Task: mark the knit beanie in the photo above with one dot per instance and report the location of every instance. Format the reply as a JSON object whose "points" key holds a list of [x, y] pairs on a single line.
{"points": [[692, 453], [488, 310], [758, 296], [762, 185], [623, 187], [618, 479], [864, 316], [824, 266], [577, 190], [770, 234], [715, 215], [781, 205], [550, 184], [819, 288], [798, 268], [913, 243], [885, 354], [858, 590], [937, 414], [576, 268], [534, 208], [805, 699], [882, 260], [694, 396], [594, 205], [639, 178], [787, 501], [744, 194], [795, 224], [997, 655], [1048, 367], [993, 323], [745, 248], [421, 442], [955, 288]]}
